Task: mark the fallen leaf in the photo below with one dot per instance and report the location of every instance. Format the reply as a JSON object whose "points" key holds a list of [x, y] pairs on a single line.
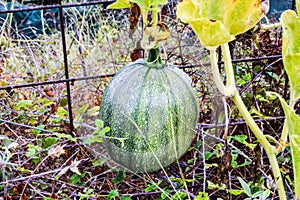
{"points": [[74, 167], [56, 151]]}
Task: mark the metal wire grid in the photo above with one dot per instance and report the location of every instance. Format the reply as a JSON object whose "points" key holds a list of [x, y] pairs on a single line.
{"points": [[68, 80]]}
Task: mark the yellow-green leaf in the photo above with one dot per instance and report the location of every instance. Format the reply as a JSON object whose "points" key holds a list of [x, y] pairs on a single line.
{"points": [[291, 49], [225, 19], [211, 33], [235, 192], [119, 4], [293, 121], [298, 6], [187, 11], [149, 4], [211, 185], [292, 68], [291, 34], [242, 15]]}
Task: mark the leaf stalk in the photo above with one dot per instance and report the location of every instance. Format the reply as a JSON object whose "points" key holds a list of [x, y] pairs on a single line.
{"points": [[230, 90]]}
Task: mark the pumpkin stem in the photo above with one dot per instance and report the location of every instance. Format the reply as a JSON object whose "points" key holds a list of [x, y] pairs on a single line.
{"points": [[154, 60]]}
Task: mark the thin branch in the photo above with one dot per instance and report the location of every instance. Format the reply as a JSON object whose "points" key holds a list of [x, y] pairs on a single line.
{"points": [[32, 176]]}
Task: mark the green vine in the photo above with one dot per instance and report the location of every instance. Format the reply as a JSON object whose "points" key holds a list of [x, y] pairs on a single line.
{"points": [[216, 23]]}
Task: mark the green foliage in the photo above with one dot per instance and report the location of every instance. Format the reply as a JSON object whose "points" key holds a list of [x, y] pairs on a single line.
{"points": [[63, 102], [291, 57], [33, 152], [61, 113], [165, 194], [247, 190], [88, 194], [213, 186], [293, 121], [119, 178], [76, 178], [36, 131], [149, 4], [244, 79], [144, 4], [98, 134], [65, 136], [83, 111], [7, 144], [202, 196], [120, 4], [179, 195], [23, 104], [235, 192], [291, 49], [216, 23], [243, 140], [23, 170], [234, 163], [125, 198], [153, 186], [245, 186], [49, 141], [215, 152], [99, 162], [6, 148], [112, 194]]}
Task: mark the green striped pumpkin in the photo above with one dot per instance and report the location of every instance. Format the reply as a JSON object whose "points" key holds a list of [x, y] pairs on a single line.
{"points": [[152, 111]]}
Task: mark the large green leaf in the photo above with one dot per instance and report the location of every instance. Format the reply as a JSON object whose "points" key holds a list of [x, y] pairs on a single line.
{"points": [[188, 10], [293, 121], [119, 4], [224, 19], [146, 4], [149, 4], [298, 6], [291, 49], [292, 67], [291, 34]]}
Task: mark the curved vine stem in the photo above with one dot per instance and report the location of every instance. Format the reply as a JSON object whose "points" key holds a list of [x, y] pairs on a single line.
{"points": [[269, 26], [154, 17], [262, 139], [230, 81], [270, 150], [217, 76], [284, 134], [144, 13], [283, 138]]}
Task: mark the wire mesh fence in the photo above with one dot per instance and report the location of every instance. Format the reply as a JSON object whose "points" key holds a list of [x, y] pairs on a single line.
{"points": [[34, 21], [55, 68]]}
